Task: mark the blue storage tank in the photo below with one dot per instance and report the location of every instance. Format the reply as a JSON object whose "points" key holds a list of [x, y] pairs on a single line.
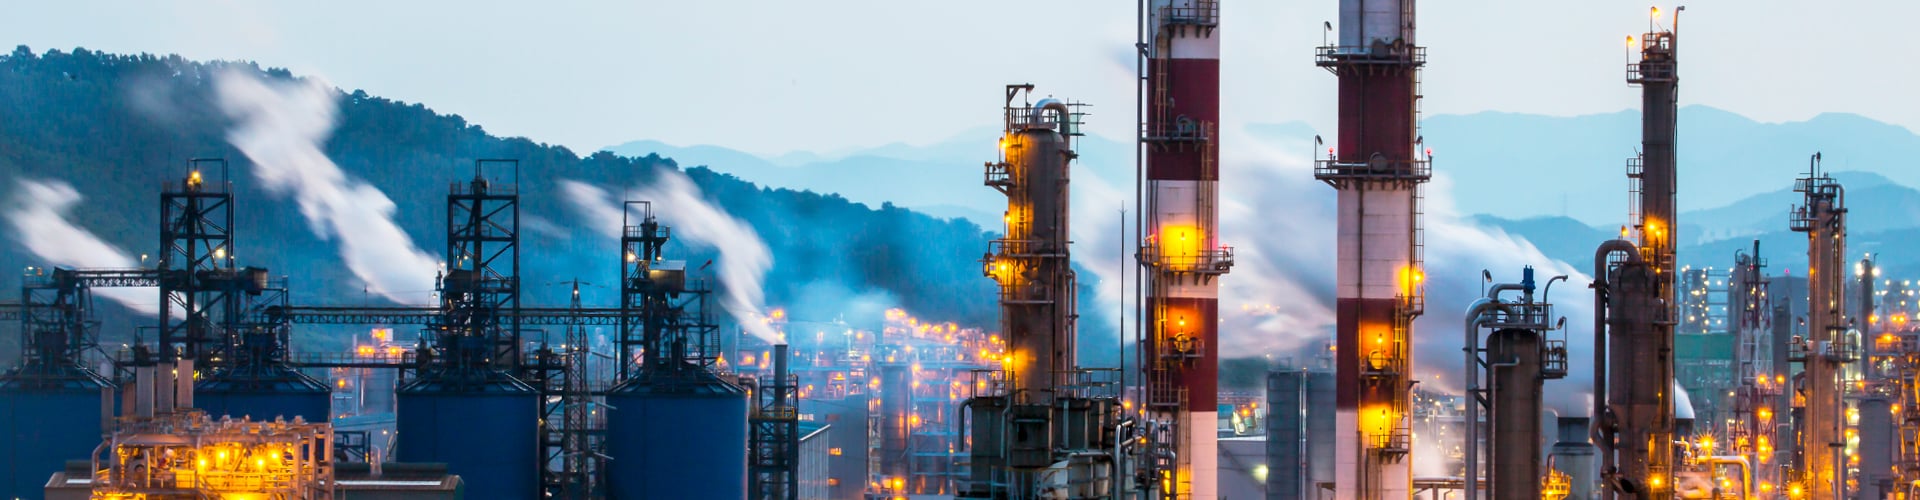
{"points": [[46, 424], [683, 436], [280, 393], [487, 433]]}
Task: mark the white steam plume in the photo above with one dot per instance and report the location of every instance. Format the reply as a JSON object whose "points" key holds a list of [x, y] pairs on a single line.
{"points": [[282, 127], [39, 218], [1278, 299], [744, 258]]}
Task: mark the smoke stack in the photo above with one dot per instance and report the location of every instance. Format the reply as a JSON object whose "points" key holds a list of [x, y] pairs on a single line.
{"points": [[779, 373]]}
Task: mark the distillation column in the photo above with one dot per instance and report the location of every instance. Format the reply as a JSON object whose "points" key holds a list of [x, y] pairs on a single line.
{"points": [[1752, 435], [1519, 358], [1826, 350], [1038, 434], [1377, 169], [1181, 251], [1634, 295], [1873, 405]]}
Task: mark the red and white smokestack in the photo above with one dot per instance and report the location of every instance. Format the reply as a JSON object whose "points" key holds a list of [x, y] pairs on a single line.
{"points": [[1182, 251], [1377, 169]]}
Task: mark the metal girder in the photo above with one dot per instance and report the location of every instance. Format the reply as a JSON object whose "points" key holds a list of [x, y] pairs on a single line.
{"points": [[328, 315]]}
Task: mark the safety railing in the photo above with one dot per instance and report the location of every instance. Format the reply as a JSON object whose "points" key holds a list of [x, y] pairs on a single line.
{"points": [[1178, 131], [1553, 362], [1334, 55], [1395, 442], [999, 175], [1332, 171], [1216, 261], [1204, 13], [1382, 364]]}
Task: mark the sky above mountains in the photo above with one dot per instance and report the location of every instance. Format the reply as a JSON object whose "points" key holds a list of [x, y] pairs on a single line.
{"points": [[772, 77]]}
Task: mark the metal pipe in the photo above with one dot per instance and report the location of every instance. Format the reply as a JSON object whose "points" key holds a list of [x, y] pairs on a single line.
{"points": [[1062, 115], [1471, 374], [1602, 419], [1118, 440]]}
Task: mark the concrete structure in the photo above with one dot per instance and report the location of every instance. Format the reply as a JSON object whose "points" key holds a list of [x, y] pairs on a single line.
{"points": [[1181, 251]]}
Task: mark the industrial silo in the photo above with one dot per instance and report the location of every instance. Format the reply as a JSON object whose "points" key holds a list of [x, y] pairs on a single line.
{"points": [[47, 422], [486, 432], [260, 385], [677, 436], [674, 428], [50, 402]]}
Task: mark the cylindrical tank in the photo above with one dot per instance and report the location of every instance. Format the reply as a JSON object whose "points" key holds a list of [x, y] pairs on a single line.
{"points": [[684, 437], [285, 395], [488, 434], [896, 396], [1513, 467], [1877, 436], [45, 427], [1573, 455], [1039, 285]]}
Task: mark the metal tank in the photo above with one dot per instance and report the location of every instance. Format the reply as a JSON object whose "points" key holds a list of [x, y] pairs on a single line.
{"points": [[45, 426], [51, 404], [286, 398], [1573, 456], [1299, 432], [683, 438], [485, 433]]}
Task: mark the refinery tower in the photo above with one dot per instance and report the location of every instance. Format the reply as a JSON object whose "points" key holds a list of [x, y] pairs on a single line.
{"points": [[1377, 168]]}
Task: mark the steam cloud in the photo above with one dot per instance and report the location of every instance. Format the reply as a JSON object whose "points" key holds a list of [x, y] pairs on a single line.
{"points": [[744, 258], [1279, 298], [282, 127], [39, 217]]}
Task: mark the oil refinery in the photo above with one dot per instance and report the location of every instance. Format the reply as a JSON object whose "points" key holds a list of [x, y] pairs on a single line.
{"points": [[1735, 379]]}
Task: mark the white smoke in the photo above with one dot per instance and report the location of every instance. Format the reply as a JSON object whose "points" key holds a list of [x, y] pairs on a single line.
{"points": [[39, 219], [744, 258], [1278, 299], [283, 127], [1457, 250]]}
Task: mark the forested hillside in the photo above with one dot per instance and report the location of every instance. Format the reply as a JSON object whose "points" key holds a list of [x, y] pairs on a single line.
{"points": [[117, 126]]}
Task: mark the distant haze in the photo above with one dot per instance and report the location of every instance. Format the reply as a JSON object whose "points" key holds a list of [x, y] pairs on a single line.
{"points": [[772, 77]]}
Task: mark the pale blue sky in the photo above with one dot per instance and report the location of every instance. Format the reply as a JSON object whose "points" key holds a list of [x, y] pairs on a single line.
{"points": [[775, 76]]}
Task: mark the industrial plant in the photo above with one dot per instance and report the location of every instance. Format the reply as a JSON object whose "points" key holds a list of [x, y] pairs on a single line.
{"points": [[1730, 381]]}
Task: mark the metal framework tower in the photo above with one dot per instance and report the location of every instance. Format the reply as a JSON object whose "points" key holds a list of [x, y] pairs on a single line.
{"points": [[1828, 347], [56, 333], [664, 322], [1041, 414], [1180, 253], [1756, 391], [1377, 169], [677, 429], [196, 254], [480, 293], [1634, 299], [470, 359], [775, 437]]}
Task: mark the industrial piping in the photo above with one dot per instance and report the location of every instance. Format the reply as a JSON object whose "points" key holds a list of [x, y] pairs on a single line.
{"points": [[1603, 422]]}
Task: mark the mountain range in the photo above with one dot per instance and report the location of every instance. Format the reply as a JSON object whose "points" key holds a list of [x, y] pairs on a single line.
{"points": [[894, 225]]}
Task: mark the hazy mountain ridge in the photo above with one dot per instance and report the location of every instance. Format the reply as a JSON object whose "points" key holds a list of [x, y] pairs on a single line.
{"points": [[116, 127]]}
